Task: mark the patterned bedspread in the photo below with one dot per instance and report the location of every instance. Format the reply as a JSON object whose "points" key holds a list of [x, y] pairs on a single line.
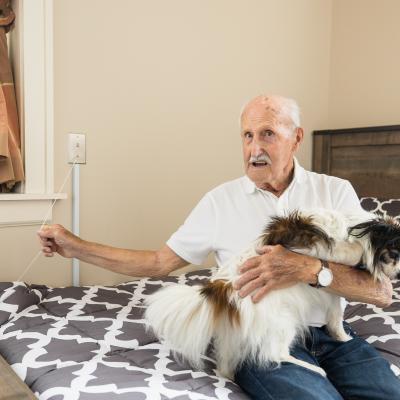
{"points": [[91, 342]]}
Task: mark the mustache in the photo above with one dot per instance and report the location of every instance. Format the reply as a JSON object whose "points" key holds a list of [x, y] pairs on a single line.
{"points": [[261, 158]]}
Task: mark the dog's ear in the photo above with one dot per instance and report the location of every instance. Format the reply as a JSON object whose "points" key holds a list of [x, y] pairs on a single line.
{"points": [[365, 228], [383, 233], [384, 228]]}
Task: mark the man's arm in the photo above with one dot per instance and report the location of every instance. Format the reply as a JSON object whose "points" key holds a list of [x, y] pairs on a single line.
{"points": [[352, 284], [278, 267], [57, 239]]}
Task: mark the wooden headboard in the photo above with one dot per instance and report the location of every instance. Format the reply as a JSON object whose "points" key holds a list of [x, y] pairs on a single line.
{"points": [[368, 157]]}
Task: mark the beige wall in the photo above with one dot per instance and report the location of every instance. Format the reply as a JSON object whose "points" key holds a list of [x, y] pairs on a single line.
{"points": [[365, 82], [157, 88]]}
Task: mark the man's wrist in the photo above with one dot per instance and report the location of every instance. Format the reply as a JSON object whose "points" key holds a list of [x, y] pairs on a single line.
{"points": [[311, 268], [79, 247]]}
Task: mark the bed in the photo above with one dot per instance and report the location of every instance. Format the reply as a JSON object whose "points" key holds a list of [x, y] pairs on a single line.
{"points": [[91, 342]]}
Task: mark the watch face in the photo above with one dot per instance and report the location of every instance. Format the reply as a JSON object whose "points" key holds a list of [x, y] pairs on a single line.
{"points": [[325, 277]]}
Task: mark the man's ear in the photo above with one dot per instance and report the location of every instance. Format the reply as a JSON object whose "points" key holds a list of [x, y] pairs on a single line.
{"points": [[298, 135]]}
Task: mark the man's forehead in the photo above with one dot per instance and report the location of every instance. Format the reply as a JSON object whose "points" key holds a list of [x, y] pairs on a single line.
{"points": [[264, 109], [268, 114]]}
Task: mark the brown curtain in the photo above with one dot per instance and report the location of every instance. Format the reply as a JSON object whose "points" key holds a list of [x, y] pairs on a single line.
{"points": [[11, 165]]}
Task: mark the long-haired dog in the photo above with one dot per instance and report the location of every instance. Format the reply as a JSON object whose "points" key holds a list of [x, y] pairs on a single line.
{"points": [[188, 318]]}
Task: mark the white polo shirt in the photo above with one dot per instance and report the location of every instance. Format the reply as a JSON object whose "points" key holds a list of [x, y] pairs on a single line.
{"points": [[228, 218]]}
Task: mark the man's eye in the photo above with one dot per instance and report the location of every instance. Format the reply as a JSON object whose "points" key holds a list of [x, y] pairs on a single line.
{"points": [[247, 135], [269, 133]]}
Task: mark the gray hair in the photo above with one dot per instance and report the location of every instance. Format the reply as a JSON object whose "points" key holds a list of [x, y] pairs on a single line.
{"points": [[287, 107]]}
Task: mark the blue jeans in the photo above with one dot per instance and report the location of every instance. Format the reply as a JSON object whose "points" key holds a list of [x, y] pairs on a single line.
{"points": [[355, 371]]}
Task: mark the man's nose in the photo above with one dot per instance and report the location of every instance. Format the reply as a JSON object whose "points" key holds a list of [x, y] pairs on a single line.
{"points": [[256, 149]]}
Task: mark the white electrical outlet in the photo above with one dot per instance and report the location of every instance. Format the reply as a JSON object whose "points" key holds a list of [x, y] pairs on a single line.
{"points": [[76, 148]]}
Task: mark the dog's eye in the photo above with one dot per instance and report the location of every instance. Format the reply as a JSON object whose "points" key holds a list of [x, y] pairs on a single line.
{"points": [[394, 254]]}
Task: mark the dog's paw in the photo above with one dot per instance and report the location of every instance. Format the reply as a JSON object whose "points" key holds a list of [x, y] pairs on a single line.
{"points": [[338, 332], [340, 335], [344, 338]]}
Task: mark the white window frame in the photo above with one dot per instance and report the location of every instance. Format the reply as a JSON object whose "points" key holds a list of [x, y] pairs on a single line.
{"points": [[32, 54]]}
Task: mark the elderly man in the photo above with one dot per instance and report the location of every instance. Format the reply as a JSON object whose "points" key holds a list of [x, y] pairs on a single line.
{"points": [[227, 219]]}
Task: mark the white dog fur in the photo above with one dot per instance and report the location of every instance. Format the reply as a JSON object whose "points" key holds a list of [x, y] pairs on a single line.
{"points": [[265, 331]]}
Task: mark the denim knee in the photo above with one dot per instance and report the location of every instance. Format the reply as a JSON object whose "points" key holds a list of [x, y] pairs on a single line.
{"points": [[287, 382]]}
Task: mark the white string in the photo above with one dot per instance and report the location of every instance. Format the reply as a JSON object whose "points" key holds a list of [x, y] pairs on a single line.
{"points": [[54, 201], [29, 265], [45, 220]]}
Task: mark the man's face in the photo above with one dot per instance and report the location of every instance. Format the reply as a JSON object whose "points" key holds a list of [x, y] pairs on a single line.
{"points": [[269, 143]]}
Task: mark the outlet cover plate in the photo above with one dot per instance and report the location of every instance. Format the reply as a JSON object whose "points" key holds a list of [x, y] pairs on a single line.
{"points": [[77, 148]]}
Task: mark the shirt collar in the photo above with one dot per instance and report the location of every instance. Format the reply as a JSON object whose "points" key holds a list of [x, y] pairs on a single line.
{"points": [[298, 177]]}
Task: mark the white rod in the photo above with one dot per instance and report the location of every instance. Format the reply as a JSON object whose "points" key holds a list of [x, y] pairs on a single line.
{"points": [[75, 220]]}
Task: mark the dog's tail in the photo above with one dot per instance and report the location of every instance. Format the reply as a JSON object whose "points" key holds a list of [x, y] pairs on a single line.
{"points": [[186, 317]]}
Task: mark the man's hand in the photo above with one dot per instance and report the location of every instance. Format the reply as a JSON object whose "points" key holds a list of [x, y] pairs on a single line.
{"points": [[275, 268], [57, 239]]}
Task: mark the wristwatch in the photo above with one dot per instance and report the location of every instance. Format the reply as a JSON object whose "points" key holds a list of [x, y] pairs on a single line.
{"points": [[324, 276]]}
